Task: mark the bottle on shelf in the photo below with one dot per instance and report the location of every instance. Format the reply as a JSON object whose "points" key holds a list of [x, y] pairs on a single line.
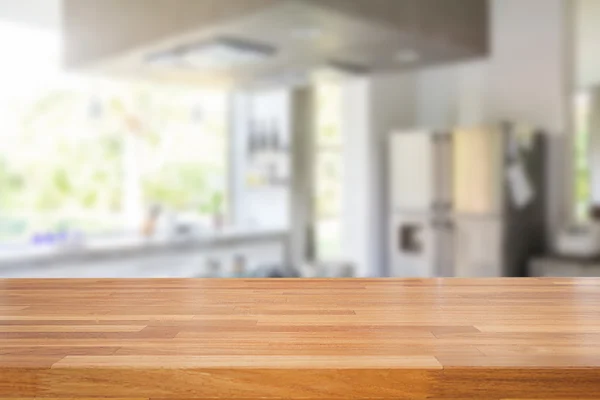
{"points": [[239, 268], [264, 141], [275, 137]]}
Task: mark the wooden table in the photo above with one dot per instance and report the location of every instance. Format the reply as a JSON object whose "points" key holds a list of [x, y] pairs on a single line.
{"points": [[300, 339]]}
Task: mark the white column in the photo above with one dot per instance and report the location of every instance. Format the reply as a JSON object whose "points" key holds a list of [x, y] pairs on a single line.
{"points": [[371, 109], [357, 192], [301, 199], [594, 132]]}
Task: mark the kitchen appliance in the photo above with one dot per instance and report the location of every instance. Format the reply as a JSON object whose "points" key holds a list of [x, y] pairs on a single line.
{"points": [[466, 203], [421, 203], [579, 241]]}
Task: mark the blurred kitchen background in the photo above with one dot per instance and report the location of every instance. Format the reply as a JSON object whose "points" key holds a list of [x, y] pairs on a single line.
{"points": [[285, 138]]}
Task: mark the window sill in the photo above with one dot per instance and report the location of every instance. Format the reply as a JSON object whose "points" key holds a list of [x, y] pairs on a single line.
{"points": [[129, 247]]}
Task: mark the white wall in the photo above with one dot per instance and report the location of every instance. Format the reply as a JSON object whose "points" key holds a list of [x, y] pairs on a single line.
{"points": [[531, 64], [452, 95], [437, 91], [528, 77]]}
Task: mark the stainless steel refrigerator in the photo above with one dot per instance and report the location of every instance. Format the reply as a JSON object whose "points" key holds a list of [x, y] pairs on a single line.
{"points": [[466, 203]]}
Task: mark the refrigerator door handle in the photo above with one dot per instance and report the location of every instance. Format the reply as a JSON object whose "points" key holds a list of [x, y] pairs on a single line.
{"points": [[437, 166]]}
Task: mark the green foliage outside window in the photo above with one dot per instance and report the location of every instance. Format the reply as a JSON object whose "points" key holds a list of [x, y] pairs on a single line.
{"points": [[329, 169], [66, 154], [582, 182]]}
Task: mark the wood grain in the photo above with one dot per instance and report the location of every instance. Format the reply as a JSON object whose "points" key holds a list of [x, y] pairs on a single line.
{"points": [[493, 339]]}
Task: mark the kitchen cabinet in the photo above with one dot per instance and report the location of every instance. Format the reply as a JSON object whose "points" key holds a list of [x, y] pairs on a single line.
{"points": [[478, 247], [423, 246], [477, 171], [412, 167]]}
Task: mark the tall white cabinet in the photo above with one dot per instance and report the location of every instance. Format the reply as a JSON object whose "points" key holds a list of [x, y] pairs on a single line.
{"points": [[420, 203], [478, 202], [413, 169]]}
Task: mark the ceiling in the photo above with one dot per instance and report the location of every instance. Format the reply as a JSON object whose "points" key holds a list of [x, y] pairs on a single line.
{"points": [[117, 37]]}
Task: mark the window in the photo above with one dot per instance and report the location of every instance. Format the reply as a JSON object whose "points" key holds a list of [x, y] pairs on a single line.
{"points": [[582, 181], [329, 165], [95, 160], [175, 151], [92, 157], [56, 170]]}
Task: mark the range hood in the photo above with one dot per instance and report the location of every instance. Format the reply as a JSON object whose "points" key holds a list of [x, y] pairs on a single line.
{"points": [[239, 42]]}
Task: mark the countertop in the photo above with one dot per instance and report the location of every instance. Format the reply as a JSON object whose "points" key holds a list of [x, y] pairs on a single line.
{"points": [[122, 247], [300, 339]]}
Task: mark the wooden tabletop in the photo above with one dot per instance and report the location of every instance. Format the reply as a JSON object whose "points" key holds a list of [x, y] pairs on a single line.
{"points": [[300, 339]]}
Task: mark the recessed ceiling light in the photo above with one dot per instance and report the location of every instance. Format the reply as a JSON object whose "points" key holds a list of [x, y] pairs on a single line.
{"points": [[407, 56]]}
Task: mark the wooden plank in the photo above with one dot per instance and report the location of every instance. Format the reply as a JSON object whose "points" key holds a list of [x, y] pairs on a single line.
{"points": [[70, 328], [315, 362]]}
